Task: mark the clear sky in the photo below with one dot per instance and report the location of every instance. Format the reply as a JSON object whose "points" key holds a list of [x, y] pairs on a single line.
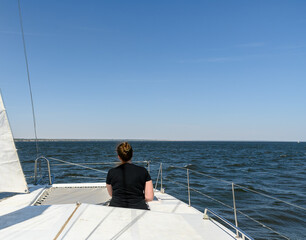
{"points": [[172, 70]]}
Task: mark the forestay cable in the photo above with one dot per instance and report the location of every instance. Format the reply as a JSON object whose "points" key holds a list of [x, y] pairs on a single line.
{"points": [[28, 74]]}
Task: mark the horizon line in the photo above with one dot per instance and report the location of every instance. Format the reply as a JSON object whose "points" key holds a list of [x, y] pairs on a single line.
{"points": [[142, 139]]}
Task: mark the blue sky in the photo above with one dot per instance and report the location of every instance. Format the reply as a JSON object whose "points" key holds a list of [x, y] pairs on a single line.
{"points": [[171, 70]]}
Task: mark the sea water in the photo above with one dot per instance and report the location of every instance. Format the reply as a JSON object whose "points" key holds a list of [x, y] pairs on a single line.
{"points": [[277, 169]]}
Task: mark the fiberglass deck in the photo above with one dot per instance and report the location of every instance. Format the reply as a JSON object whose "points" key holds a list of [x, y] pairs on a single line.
{"points": [[59, 216]]}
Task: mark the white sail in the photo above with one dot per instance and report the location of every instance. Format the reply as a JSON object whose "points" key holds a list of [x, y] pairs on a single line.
{"points": [[11, 175]]}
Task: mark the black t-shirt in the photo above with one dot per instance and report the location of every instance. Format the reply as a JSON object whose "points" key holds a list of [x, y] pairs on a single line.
{"points": [[128, 184]]}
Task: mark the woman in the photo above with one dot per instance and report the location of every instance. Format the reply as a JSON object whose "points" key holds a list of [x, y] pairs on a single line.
{"points": [[130, 186]]}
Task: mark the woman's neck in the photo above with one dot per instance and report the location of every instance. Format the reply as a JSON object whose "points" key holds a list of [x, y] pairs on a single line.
{"points": [[122, 162]]}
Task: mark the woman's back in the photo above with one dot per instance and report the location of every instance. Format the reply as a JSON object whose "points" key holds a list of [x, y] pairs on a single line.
{"points": [[128, 184]]}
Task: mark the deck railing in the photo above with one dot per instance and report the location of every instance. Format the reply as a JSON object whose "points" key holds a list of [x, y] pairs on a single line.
{"points": [[233, 185], [38, 162], [160, 178], [239, 232]]}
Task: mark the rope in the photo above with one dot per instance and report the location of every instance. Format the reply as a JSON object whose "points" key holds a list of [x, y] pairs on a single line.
{"points": [[228, 206], [63, 227], [28, 74], [75, 164], [245, 188]]}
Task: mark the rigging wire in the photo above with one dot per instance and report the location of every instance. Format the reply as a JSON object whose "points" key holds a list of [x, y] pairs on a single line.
{"points": [[75, 164], [28, 74]]}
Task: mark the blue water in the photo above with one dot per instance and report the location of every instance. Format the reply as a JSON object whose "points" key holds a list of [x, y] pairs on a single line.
{"points": [[274, 168]]}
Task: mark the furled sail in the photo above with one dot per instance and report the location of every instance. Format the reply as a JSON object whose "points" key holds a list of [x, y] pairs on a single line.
{"points": [[11, 175]]}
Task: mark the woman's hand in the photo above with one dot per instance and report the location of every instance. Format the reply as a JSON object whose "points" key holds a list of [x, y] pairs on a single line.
{"points": [[149, 194]]}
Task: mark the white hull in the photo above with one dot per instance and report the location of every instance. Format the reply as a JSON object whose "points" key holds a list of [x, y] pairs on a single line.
{"points": [[26, 216]]}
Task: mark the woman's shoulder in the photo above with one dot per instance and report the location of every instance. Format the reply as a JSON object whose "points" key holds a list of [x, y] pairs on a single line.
{"points": [[114, 169], [140, 170], [138, 167]]}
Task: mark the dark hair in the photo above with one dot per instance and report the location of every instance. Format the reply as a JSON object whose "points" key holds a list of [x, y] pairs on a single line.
{"points": [[125, 151]]}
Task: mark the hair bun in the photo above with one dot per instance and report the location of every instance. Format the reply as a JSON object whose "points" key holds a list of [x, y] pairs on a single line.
{"points": [[125, 151]]}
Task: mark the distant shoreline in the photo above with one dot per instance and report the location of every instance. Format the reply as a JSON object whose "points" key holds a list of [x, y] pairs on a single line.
{"points": [[141, 140]]}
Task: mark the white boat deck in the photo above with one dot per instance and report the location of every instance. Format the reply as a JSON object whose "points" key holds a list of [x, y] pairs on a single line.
{"points": [[169, 218]]}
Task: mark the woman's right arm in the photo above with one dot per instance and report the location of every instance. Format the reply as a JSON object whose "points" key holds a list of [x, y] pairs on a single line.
{"points": [[149, 194]]}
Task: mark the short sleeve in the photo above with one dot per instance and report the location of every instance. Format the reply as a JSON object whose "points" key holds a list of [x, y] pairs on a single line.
{"points": [[108, 178], [148, 177]]}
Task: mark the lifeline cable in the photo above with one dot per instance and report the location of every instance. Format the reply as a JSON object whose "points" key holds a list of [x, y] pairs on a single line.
{"points": [[28, 74], [75, 164], [228, 206], [243, 187]]}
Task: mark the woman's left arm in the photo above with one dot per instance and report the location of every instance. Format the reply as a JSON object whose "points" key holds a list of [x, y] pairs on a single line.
{"points": [[149, 194], [109, 189]]}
